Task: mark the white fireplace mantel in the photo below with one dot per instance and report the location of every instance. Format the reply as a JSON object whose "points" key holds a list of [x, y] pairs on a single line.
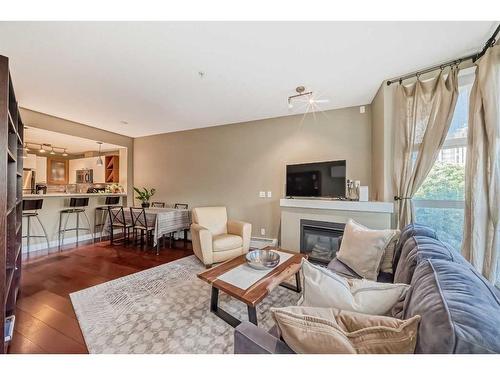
{"points": [[374, 215], [324, 204]]}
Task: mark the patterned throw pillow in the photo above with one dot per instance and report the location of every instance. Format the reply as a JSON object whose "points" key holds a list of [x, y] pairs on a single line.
{"points": [[312, 330]]}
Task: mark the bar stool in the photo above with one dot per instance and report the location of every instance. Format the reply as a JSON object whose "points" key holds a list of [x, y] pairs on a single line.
{"points": [[102, 213], [76, 207], [30, 208]]}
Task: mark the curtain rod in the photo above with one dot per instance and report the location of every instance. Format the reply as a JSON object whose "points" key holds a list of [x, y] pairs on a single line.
{"points": [[474, 57]]}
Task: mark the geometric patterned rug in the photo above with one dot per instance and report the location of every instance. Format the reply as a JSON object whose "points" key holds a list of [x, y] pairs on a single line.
{"points": [[164, 309]]}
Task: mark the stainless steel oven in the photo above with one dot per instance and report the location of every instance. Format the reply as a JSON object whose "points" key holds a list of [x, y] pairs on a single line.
{"points": [[85, 176]]}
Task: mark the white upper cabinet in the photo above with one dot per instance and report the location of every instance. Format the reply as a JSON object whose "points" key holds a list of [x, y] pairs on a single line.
{"points": [[41, 169], [29, 162]]}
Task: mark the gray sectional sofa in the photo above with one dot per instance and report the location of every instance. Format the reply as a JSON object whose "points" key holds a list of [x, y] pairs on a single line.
{"points": [[460, 309]]}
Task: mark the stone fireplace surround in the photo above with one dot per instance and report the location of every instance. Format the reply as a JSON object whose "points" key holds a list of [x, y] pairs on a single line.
{"points": [[375, 215]]}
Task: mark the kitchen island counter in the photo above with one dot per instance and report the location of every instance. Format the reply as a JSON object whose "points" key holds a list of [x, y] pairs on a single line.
{"points": [[69, 195], [49, 214]]}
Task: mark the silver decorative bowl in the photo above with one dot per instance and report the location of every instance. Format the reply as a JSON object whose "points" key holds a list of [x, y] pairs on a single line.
{"points": [[262, 259]]}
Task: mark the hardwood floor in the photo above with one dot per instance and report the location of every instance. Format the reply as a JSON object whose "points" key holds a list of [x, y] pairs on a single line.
{"points": [[45, 319]]}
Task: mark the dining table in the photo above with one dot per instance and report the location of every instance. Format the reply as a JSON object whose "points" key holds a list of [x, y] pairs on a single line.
{"points": [[166, 220]]}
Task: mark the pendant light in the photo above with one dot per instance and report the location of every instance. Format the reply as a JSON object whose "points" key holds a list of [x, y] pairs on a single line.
{"points": [[64, 153], [99, 159]]}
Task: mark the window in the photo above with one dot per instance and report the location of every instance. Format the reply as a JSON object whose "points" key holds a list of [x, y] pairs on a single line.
{"points": [[439, 203]]}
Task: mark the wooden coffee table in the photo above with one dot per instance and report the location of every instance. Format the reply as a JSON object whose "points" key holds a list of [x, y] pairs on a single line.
{"points": [[258, 291]]}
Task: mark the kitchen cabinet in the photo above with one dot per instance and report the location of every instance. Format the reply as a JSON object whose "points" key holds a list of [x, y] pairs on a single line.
{"points": [[57, 171], [39, 165], [41, 170], [29, 162]]}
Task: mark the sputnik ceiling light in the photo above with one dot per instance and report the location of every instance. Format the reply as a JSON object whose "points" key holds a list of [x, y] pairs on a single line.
{"points": [[304, 96]]}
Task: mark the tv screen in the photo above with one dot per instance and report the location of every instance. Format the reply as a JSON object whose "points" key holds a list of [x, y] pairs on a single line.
{"points": [[325, 179]]}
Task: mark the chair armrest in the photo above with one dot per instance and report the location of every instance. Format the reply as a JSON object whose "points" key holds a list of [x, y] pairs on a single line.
{"points": [[250, 339], [242, 229], [202, 243]]}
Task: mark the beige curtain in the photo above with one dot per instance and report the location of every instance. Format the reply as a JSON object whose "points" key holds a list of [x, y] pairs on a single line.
{"points": [[423, 116], [481, 245]]}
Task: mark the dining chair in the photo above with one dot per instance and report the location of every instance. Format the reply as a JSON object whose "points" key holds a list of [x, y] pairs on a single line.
{"points": [[158, 204], [140, 222], [179, 206], [116, 216]]}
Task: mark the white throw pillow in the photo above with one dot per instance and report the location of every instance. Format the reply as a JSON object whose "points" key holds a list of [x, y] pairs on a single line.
{"points": [[362, 249], [324, 288], [386, 265]]}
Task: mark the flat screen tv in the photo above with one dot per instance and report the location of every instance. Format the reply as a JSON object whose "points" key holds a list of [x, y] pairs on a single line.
{"points": [[321, 180]]}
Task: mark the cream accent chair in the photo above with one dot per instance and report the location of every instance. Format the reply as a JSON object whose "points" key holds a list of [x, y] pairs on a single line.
{"points": [[215, 238]]}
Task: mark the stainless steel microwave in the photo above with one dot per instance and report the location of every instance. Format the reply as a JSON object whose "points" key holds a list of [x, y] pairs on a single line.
{"points": [[85, 176]]}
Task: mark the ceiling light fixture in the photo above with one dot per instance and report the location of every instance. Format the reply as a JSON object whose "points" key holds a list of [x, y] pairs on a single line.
{"points": [[99, 159], [301, 92], [64, 153], [41, 151], [52, 151]]}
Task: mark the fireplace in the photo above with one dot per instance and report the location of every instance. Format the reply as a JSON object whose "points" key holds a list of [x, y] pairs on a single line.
{"points": [[320, 239]]}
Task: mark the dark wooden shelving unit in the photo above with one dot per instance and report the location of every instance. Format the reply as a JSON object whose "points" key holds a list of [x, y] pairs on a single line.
{"points": [[11, 187], [112, 172]]}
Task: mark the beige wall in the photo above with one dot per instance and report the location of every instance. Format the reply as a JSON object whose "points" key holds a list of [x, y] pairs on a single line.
{"points": [[228, 165], [56, 124]]}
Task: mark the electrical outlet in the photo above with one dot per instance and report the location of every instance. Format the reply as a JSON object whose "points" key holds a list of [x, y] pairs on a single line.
{"points": [[362, 109], [262, 194], [269, 194], [262, 231]]}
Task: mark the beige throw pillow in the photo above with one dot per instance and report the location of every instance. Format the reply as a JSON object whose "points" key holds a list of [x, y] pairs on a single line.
{"points": [[324, 288], [362, 248], [386, 265], [312, 330]]}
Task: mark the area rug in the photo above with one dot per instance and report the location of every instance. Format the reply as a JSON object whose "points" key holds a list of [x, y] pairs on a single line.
{"points": [[164, 309]]}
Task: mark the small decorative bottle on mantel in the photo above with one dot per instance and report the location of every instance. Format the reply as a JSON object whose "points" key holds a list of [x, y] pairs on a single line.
{"points": [[353, 190]]}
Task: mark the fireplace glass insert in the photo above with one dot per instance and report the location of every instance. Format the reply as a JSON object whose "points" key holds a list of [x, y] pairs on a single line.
{"points": [[320, 239]]}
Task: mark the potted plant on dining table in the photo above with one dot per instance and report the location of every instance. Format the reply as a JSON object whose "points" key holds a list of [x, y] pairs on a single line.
{"points": [[144, 195]]}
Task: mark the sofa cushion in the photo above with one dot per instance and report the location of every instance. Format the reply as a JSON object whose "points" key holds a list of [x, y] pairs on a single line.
{"points": [[460, 310], [409, 231], [313, 330], [362, 248], [417, 248], [224, 242], [323, 288]]}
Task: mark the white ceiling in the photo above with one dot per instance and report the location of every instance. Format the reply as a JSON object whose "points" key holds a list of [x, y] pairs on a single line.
{"points": [[146, 73], [73, 145]]}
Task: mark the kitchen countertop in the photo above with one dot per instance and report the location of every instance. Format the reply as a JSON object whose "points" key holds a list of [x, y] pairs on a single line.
{"points": [[64, 195]]}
